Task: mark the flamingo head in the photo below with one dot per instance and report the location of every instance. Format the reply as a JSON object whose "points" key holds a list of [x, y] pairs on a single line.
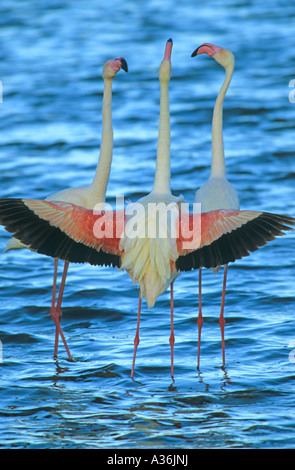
{"points": [[223, 56], [111, 67], [165, 67]]}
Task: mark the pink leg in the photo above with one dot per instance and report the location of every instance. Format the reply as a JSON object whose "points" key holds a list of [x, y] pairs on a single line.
{"points": [[172, 338], [136, 339], [200, 318], [62, 288], [58, 305], [55, 311], [221, 317]]}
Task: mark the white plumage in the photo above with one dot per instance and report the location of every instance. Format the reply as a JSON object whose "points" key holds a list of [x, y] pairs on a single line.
{"points": [[217, 192]]}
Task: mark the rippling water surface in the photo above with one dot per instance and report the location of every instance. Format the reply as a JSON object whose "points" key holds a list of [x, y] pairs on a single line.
{"points": [[52, 55]]}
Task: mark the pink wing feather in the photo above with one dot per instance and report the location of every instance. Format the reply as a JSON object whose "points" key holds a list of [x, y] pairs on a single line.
{"points": [[225, 236], [82, 225], [211, 227]]}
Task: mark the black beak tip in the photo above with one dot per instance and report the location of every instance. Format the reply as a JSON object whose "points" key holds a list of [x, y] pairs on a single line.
{"points": [[195, 52], [170, 40], [124, 65]]}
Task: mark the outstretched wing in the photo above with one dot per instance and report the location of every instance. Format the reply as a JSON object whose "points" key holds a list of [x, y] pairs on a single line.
{"points": [[226, 235], [64, 231], [73, 233]]}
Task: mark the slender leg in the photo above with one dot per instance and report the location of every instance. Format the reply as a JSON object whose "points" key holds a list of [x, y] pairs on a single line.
{"points": [[58, 306], [55, 311], [200, 318], [221, 317], [172, 338], [136, 339], [62, 288]]}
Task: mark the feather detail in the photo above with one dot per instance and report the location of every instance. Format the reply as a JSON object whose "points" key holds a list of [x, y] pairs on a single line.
{"points": [[23, 218], [227, 235], [151, 260]]}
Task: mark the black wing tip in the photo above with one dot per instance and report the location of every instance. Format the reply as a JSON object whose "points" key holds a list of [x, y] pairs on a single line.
{"points": [[238, 243], [46, 239]]}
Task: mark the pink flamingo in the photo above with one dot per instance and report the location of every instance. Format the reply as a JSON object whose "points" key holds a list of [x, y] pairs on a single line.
{"points": [[87, 196], [217, 192], [147, 261]]}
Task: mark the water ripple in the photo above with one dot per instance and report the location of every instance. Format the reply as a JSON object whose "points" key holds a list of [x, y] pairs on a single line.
{"points": [[49, 139]]}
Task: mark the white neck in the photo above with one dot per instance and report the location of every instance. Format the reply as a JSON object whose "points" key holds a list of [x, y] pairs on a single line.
{"points": [[102, 174], [218, 163], [162, 175]]}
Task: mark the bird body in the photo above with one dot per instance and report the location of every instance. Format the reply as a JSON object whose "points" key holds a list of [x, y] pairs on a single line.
{"points": [[148, 258], [85, 196], [217, 192]]}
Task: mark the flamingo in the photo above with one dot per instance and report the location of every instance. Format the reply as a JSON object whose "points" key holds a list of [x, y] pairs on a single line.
{"points": [[147, 260], [87, 196], [217, 192]]}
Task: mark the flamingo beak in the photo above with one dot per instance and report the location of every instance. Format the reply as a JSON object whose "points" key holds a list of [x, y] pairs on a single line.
{"points": [[124, 64], [206, 48], [195, 52], [168, 50]]}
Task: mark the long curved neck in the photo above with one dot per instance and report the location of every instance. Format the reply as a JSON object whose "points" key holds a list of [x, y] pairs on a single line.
{"points": [[102, 174], [218, 163], [162, 175]]}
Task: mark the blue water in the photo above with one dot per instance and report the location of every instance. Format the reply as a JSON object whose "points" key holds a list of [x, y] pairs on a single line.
{"points": [[51, 58]]}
